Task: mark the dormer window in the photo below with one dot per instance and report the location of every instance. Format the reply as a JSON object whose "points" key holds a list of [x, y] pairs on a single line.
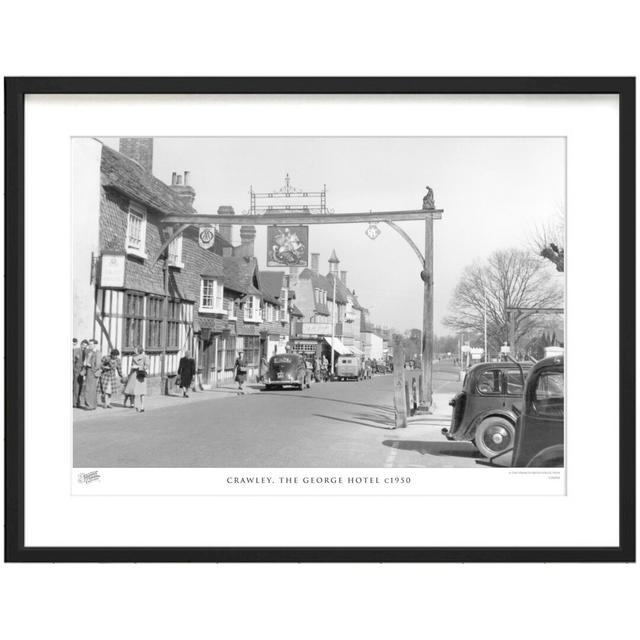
{"points": [[174, 252], [252, 311], [136, 230], [211, 300]]}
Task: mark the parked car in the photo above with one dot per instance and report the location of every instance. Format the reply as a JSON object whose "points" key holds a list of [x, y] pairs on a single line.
{"points": [[539, 438], [287, 370], [483, 411], [347, 367]]}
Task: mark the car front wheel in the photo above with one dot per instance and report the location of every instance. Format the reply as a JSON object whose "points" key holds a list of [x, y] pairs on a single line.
{"points": [[494, 435]]}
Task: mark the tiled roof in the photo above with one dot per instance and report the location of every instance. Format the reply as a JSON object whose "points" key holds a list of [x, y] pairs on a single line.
{"points": [[271, 282], [127, 176], [325, 282], [212, 269], [238, 274], [342, 293]]}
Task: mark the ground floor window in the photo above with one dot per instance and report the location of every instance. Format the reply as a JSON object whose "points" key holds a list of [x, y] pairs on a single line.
{"points": [[302, 347], [133, 320], [252, 350], [230, 352], [143, 322], [154, 323], [173, 325]]}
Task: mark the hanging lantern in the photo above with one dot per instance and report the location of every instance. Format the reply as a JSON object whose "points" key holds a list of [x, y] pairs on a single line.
{"points": [[373, 232]]}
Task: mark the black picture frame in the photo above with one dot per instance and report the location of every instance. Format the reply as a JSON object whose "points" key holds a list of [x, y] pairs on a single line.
{"points": [[15, 91]]}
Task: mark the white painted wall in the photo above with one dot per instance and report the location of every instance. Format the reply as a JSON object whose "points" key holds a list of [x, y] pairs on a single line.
{"points": [[372, 345], [85, 215]]}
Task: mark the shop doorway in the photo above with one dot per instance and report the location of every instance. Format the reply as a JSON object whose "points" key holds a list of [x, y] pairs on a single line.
{"points": [[207, 359]]}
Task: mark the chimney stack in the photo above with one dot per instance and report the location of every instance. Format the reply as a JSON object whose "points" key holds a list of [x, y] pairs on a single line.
{"points": [[315, 263], [138, 149], [247, 239], [343, 277], [183, 190], [225, 229]]}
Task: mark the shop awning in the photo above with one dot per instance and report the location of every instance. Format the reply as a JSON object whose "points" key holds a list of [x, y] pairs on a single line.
{"points": [[356, 351], [337, 346]]}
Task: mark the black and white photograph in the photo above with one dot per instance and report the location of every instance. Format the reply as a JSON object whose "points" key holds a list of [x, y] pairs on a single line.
{"points": [[347, 317], [318, 303]]}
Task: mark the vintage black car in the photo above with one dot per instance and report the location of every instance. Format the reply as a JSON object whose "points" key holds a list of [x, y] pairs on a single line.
{"points": [[287, 370], [483, 411], [539, 438]]}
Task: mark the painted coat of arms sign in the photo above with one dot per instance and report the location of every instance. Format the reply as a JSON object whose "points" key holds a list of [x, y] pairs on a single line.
{"points": [[287, 246]]}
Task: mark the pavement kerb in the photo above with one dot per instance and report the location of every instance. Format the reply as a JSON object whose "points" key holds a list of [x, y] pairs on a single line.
{"points": [[440, 417], [157, 402]]}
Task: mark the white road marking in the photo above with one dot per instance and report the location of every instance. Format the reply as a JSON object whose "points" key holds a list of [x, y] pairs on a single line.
{"points": [[392, 454]]}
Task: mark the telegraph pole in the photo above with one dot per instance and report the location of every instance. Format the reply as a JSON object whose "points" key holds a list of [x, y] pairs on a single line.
{"points": [[333, 327], [486, 353]]}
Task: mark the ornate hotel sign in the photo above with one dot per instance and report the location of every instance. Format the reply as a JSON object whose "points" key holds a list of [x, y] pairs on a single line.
{"points": [[112, 270], [287, 246], [207, 236]]}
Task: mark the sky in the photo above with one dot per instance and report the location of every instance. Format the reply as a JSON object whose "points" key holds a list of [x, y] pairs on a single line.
{"points": [[495, 192]]}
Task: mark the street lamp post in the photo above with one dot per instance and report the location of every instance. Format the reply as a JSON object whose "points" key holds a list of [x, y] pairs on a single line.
{"points": [[486, 353], [333, 326]]}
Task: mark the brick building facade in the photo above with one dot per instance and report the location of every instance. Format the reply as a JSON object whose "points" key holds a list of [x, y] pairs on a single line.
{"points": [[214, 304]]}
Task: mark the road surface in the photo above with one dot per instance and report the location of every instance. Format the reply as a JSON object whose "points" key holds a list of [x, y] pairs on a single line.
{"points": [[336, 424]]}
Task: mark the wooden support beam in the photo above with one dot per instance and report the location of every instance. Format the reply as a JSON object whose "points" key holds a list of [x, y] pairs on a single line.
{"points": [[301, 218], [399, 398]]}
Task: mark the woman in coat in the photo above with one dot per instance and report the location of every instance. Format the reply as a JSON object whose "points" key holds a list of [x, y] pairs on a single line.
{"points": [[137, 382], [111, 374], [186, 371], [240, 371]]}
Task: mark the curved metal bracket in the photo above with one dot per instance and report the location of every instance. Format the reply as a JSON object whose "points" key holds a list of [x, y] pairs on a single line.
{"points": [[178, 232], [407, 237]]}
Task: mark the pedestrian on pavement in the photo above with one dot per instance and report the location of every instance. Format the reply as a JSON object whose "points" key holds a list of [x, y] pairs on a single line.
{"points": [[77, 362], [137, 382], [186, 371], [264, 366], [110, 376], [324, 367], [240, 368], [91, 368]]}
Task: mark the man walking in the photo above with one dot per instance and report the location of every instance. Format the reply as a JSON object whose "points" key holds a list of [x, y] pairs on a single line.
{"points": [[78, 377], [76, 368], [92, 370]]}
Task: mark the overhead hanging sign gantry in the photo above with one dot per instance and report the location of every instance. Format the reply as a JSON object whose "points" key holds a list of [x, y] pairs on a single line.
{"points": [[275, 214]]}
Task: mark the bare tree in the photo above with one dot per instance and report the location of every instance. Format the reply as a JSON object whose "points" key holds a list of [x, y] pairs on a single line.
{"points": [[512, 278], [548, 241]]}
